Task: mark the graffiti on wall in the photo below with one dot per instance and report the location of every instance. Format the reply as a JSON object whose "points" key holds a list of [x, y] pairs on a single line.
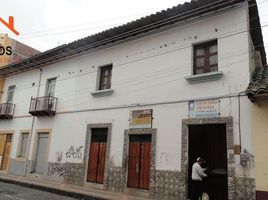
{"points": [[57, 167], [74, 152]]}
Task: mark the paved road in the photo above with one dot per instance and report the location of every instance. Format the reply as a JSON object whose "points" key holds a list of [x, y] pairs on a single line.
{"points": [[16, 192]]}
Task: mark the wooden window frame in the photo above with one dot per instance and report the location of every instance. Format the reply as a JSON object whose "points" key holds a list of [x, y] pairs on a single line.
{"points": [[207, 67], [105, 85]]}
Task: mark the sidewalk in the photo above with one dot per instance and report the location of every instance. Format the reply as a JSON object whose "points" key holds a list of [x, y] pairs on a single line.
{"points": [[79, 192]]}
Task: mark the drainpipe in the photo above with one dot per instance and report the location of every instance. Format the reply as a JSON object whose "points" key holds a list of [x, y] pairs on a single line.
{"points": [[32, 127]]}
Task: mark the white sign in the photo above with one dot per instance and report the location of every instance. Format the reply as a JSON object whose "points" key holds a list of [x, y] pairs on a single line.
{"points": [[204, 108]]}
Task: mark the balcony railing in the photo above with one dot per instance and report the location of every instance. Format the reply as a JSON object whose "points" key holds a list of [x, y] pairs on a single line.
{"points": [[7, 110], [43, 106]]}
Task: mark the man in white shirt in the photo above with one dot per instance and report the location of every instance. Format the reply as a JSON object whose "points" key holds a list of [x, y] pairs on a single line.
{"points": [[197, 176]]}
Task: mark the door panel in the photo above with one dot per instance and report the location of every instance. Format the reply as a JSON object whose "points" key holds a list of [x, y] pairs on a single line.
{"points": [[101, 162], [6, 156], [41, 153], [5, 141], [145, 165], [133, 164], [93, 162]]}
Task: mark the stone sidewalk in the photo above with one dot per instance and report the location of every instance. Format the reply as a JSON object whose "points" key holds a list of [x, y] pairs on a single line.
{"points": [[78, 192]]}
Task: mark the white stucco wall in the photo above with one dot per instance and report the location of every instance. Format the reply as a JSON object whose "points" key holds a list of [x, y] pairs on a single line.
{"points": [[147, 70]]}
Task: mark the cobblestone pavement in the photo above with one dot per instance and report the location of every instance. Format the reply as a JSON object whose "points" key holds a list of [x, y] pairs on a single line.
{"points": [[16, 192]]}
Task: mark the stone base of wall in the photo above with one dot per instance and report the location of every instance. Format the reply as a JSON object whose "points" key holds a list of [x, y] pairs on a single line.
{"points": [[167, 185], [116, 179], [245, 188], [71, 173]]}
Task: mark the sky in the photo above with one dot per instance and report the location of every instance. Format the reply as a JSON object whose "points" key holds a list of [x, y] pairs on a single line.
{"points": [[46, 24]]}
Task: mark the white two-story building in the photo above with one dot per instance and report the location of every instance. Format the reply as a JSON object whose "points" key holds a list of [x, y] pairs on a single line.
{"points": [[131, 108]]}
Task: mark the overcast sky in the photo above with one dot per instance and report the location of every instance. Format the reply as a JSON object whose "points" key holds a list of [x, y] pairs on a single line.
{"points": [[45, 24]]}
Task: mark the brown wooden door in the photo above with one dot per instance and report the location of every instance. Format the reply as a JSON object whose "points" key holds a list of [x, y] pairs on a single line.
{"points": [[134, 164], [97, 155], [7, 147], [139, 162], [209, 142]]}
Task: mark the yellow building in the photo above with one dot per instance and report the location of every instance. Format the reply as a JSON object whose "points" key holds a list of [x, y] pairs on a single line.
{"points": [[258, 93], [19, 52]]}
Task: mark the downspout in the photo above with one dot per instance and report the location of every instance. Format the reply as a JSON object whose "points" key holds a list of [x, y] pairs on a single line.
{"points": [[32, 127]]}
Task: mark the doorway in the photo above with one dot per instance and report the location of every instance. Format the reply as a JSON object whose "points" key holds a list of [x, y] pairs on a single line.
{"points": [[5, 147], [209, 141], [40, 164], [97, 155], [139, 161]]}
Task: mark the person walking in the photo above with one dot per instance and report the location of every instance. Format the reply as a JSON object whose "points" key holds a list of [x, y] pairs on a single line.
{"points": [[198, 173]]}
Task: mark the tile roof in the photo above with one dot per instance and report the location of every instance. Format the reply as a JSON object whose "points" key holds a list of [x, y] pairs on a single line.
{"points": [[259, 82], [137, 28]]}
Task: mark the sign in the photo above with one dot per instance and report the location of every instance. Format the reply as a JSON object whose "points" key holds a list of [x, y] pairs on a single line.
{"points": [[141, 118], [204, 108], [9, 24]]}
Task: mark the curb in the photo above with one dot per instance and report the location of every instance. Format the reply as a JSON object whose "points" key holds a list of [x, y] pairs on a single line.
{"points": [[75, 195]]}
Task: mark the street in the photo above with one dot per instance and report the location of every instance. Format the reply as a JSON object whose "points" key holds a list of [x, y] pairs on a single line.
{"points": [[16, 192]]}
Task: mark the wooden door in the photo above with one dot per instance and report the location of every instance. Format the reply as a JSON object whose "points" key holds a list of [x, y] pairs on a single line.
{"points": [[209, 142], [134, 164], [6, 151], [41, 153], [97, 156], [139, 162]]}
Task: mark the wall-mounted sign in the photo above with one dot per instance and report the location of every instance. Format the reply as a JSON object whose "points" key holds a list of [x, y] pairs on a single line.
{"points": [[141, 118], [204, 108]]}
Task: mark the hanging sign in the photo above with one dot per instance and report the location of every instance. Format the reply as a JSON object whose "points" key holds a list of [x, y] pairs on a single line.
{"points": [[141, 118], [204, 108]]}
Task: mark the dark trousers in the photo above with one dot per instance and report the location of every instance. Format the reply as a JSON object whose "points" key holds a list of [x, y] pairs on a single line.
{"points": [[197, 190]]}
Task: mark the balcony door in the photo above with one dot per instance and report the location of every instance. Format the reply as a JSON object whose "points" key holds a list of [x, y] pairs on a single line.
{"points": [[50, 87]]}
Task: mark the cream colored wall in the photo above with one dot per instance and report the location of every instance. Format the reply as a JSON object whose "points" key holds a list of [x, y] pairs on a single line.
{"points": [[4, 41], [260, 136]]}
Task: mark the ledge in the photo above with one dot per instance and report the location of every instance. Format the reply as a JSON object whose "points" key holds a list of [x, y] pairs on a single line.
{"points": [[102, 93], [205, 77]]}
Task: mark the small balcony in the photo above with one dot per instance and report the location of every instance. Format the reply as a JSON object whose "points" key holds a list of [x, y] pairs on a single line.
{"points": [[43, 106], [7, 110]]}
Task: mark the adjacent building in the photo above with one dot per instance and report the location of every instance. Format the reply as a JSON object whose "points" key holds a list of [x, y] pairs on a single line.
{"points": [[17, 51], [258, 94], [131, 108]]}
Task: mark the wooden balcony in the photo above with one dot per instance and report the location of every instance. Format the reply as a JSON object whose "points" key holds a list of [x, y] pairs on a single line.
{"points": [[43, 106], [7, 110]]}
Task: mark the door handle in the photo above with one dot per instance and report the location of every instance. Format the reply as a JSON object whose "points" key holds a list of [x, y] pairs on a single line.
{"points": [[137, 168], [219, 172]]}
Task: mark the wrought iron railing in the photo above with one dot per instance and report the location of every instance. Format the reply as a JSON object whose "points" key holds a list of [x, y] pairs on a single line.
{"points": [[7, 110], [43, 104]]}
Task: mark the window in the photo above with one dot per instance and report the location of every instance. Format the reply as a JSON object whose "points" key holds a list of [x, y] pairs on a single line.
{"points": [[23, 144], [206, 57], [50, 88], [105, 77], [10, 93]]}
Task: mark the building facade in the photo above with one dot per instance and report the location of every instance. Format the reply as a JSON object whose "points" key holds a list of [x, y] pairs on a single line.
{"points": [[131, 108], [13, 51], [257, 92]]}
